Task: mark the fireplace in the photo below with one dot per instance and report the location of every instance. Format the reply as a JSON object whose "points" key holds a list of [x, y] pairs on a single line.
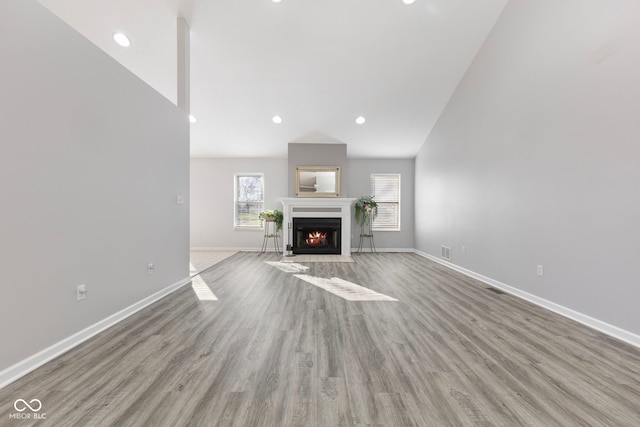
{"points": [[299, 208], [317, 235]]}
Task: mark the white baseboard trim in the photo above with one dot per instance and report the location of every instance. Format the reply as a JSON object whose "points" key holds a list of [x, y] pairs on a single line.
{"points": [[598, 325], [31, 363], [381, 250], [227, 249]]}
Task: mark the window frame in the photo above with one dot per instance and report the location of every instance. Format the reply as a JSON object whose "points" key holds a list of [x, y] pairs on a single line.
{"points": [[236, 225], [399, 202]]}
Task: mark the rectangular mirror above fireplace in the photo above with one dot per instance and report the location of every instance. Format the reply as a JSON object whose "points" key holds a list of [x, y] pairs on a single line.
{"points": [[317, 181]]}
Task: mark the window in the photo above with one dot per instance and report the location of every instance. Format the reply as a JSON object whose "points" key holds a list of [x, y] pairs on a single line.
{"points": [[385, 188], [249, 199]]}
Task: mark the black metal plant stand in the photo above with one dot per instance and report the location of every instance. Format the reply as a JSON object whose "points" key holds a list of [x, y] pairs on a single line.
{"points": [[270, 232], [366, 233]]}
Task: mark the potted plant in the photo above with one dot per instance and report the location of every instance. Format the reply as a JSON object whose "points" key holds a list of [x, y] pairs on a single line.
{"points": [[274, 215], [366, 209]]}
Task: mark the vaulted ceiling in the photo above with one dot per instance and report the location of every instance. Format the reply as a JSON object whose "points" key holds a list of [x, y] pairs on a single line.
{"points": [[318, 64]]}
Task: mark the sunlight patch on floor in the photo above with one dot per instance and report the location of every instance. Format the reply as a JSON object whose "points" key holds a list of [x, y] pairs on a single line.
{"points": [[200, 288], [344, 289], [288, 267]]}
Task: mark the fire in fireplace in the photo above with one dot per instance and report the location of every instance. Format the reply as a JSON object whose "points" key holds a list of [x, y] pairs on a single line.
{"points": [[317, 238], [316, 235]]}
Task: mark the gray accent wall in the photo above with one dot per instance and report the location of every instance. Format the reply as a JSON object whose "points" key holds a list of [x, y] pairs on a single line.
{"points": [[302, 154], [92, 162], [534, 161]]}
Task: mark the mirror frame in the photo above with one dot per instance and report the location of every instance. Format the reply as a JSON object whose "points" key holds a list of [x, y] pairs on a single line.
{"points": [[334, 169]]}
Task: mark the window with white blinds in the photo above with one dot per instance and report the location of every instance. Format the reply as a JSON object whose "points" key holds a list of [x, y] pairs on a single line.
{"points": [[385, 188], [249, 200]]}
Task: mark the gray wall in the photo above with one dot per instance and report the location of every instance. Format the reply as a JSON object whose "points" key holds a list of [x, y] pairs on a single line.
{"points": [[92, 161], [317, 155], [358, 175], [212, 200], [535, 158], [212, 197]]}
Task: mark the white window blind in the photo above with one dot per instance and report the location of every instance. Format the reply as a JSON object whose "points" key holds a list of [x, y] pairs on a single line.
{"points": [[385, 189], [249, 199]]}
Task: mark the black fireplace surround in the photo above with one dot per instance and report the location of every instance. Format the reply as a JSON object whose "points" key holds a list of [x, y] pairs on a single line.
{"points": [[317, 236]]}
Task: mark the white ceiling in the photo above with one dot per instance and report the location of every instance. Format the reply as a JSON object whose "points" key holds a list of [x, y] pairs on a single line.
{"points": [[318, 64]]}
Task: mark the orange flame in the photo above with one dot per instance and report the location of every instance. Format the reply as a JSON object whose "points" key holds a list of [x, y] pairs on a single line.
{"points": [[316, 238]]}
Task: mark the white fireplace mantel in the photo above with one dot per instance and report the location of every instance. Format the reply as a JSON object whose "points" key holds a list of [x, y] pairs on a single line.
{"points": [[310, 207]]}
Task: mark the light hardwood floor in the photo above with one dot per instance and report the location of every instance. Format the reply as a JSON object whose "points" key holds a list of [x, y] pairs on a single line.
{"points": [[277, 351]]}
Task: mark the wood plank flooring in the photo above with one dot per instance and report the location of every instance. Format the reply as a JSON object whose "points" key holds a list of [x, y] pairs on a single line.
{"points": [[277, 351]]}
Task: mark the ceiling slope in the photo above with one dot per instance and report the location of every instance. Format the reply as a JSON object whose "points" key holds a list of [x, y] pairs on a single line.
{"points": [[317, 64]]}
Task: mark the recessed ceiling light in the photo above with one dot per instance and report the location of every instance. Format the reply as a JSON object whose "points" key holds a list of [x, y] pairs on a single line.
{"points": [[121, 39], [408, 1], [276, 1], [192, 119], [277, 119], [360, 120]]}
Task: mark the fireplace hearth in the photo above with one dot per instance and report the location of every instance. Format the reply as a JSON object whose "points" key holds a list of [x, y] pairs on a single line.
{"points": [[316, 235]]}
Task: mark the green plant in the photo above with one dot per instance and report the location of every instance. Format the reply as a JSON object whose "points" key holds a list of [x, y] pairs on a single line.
{"points": [[366, 208], [272, 215]]}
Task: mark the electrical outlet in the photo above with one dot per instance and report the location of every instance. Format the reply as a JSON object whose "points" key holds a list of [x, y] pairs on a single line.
{"points": [[464, 249], [81, 292], [150, 268], [539, 271], [179, 199]]}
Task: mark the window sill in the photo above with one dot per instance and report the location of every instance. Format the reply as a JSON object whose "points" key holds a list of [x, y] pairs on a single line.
{"points": [[248, 228]]}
